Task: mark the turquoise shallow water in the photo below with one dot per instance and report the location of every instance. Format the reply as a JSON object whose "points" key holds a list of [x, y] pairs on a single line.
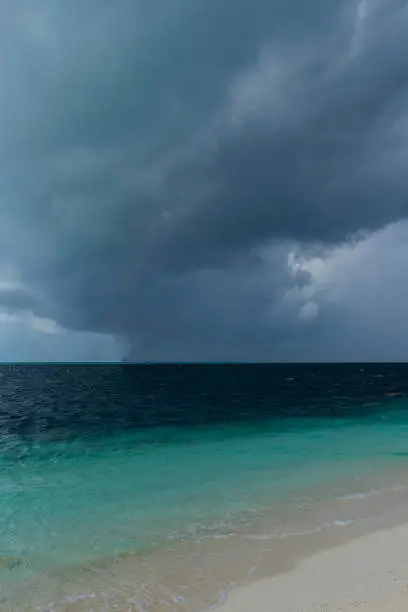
{"points": [[72, 494], [71, 502]]}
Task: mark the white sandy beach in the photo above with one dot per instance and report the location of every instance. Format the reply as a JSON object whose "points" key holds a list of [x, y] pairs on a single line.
{"points": [[370, 573]]}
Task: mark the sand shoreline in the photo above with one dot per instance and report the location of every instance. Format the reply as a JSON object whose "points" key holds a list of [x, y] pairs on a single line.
{"points": [[267, 559], [299, 573], [366, 573]]}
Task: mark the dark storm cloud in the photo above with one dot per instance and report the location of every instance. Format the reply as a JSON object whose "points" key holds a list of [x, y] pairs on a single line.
{"points": [[151, 151]]}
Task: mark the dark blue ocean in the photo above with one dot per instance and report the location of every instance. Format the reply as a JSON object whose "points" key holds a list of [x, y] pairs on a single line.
{"points": [[100, 463]]}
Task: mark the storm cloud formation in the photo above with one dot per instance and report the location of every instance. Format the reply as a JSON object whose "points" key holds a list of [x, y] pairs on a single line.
{"points": [[199, 178]]}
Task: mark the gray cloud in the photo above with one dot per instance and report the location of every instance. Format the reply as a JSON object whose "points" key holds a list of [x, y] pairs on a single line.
{"points": [[362, 296], [161, 161], [25, 337]]}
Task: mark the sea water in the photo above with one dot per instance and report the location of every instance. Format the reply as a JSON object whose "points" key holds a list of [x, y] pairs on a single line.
{"points": [[100, 462]]}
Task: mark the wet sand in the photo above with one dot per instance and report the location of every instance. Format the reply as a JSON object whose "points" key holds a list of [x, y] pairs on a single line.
{"points": [[369, 573]]}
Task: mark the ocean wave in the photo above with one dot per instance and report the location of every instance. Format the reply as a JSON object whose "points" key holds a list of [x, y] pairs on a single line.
{"points": [[290, 534]]}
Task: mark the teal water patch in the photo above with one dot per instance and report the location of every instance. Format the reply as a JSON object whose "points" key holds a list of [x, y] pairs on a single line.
{"points": [[65, 503]]}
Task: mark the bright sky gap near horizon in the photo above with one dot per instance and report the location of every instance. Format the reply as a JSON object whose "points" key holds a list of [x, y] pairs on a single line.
{"points": [[186, 180]]}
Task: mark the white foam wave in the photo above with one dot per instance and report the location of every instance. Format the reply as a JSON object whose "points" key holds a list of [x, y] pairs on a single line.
{"points": [[289, 534], [370, 493], [360, 495]]}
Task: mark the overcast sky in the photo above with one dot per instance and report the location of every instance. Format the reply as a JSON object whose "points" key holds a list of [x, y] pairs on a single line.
{"points": [[203, 180]]}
